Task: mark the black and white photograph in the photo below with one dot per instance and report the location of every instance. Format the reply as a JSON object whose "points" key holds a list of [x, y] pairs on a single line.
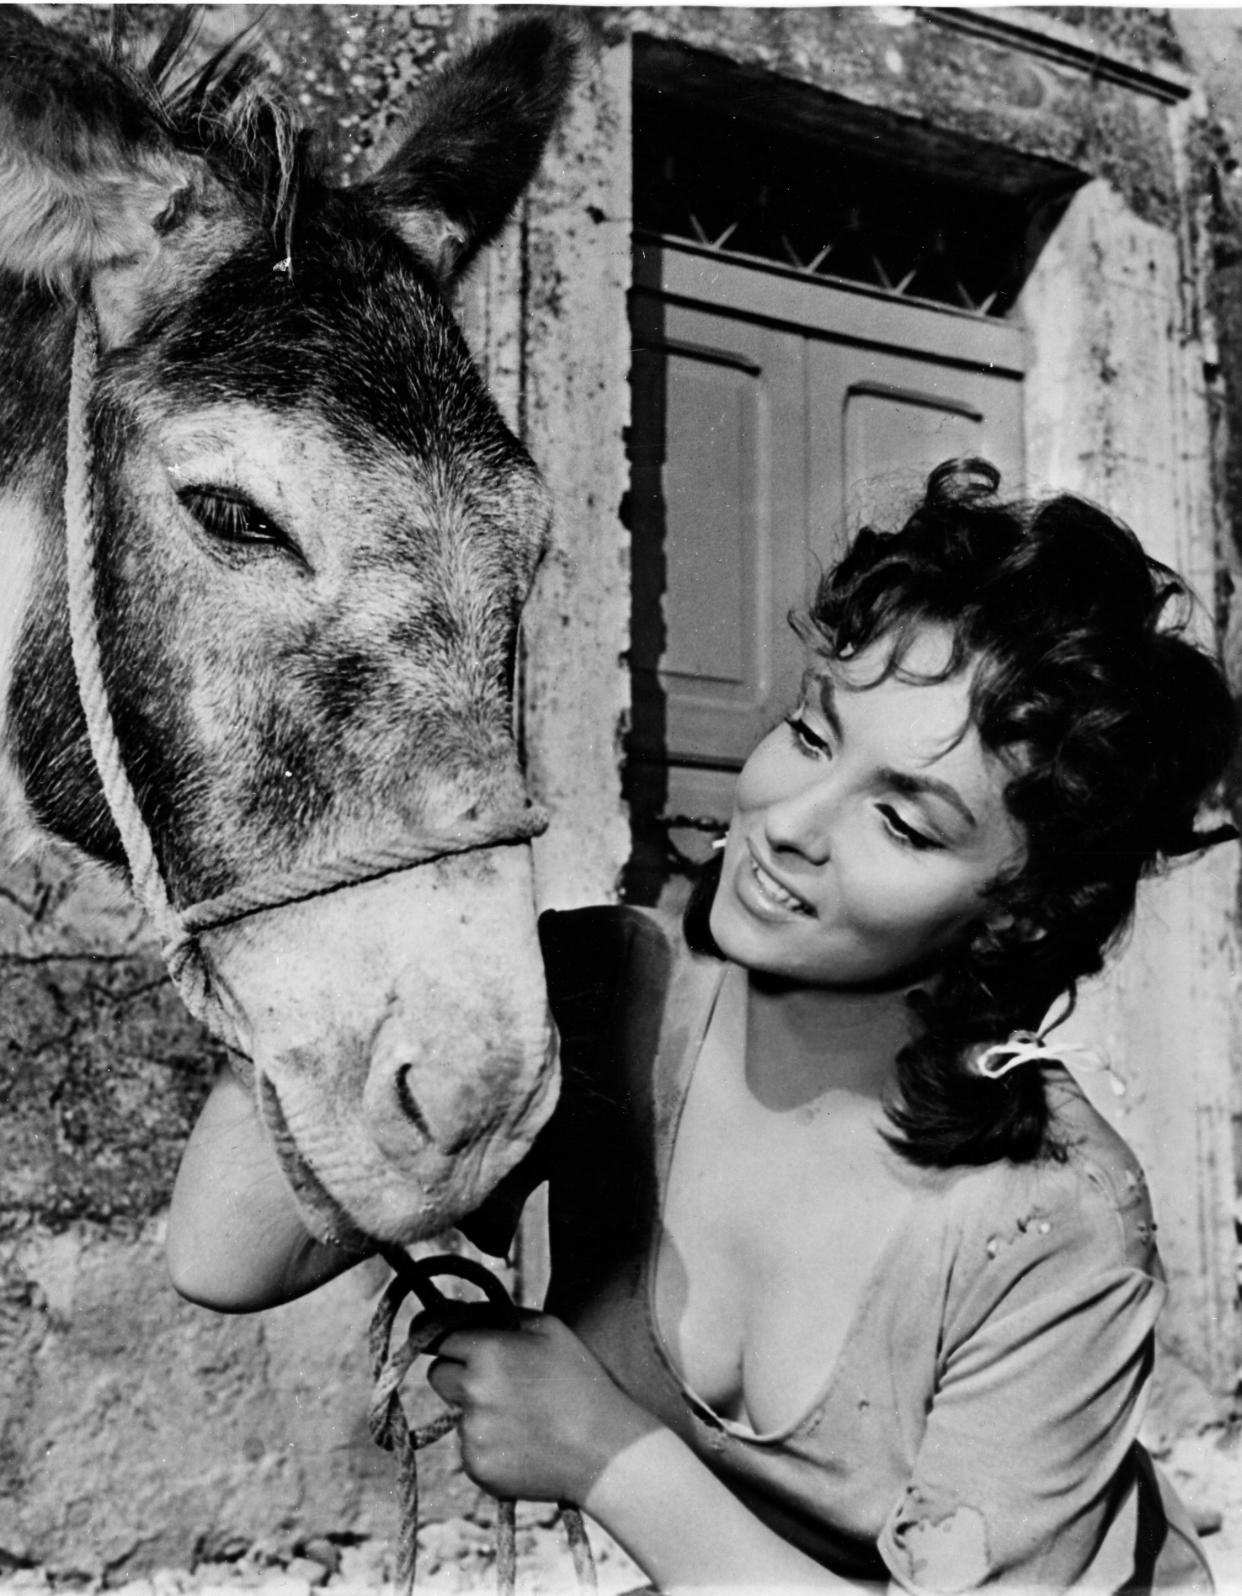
{"points": [[620, 768]]}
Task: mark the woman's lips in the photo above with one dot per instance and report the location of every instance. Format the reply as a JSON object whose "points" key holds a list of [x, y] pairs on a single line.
{"points": [[770, 893]]}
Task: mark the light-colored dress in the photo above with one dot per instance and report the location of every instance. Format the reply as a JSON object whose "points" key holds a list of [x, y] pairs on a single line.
{"points": [[978, 1426]]}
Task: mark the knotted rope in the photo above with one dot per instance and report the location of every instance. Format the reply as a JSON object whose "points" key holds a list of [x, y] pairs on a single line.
{"points": [[390, 1428], [179, 928]]}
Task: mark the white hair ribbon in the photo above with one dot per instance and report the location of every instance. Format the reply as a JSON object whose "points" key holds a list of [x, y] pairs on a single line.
{"points": [[1028, 1047]]}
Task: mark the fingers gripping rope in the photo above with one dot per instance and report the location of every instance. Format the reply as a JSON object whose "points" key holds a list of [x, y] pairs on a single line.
{"points": [[388, 1424]]}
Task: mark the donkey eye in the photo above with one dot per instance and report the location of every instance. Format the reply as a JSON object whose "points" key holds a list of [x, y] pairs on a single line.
{"points": [[232, 518]]}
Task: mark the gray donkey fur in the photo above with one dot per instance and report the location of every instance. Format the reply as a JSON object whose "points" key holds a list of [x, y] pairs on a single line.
{"points": [[316, 536]]}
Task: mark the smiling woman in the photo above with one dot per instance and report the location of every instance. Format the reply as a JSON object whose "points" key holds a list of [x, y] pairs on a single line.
{"points": [[875, 1309], [850, 1283], [867, 827]]}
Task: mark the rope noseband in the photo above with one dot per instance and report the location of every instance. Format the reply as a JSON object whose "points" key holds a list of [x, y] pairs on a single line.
{"points": [[179, 928]]}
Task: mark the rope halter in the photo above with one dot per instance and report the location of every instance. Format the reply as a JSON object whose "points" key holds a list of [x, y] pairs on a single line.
{"points": [[179, 929]]}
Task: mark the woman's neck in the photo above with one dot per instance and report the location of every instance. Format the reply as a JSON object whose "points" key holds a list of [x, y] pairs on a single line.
{"points": [[805, 1042]]}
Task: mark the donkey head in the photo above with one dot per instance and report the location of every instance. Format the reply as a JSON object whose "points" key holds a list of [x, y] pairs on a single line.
{"points": [[315, 536]]}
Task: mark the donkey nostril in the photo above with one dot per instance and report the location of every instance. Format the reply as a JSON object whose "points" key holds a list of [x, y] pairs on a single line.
{"points": [[407, 1105]]}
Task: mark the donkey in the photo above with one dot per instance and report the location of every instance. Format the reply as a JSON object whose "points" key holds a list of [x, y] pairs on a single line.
{"points": [[311, 538]]}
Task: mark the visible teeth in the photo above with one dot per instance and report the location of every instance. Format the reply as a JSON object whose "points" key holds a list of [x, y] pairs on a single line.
{"points": [[774, 890]]}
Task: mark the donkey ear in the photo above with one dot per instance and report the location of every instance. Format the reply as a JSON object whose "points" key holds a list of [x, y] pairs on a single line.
{"points": [[461, 167], [86, 169]]}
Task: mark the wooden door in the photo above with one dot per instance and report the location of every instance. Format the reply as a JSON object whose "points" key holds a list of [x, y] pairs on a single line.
{"points": [[771, 416]]}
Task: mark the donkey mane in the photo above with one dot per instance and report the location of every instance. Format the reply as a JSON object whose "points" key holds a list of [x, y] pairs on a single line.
{"points": [[225, 110]]}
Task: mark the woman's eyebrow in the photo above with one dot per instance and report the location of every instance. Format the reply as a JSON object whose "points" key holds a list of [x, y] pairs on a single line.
{"points": [[916, 786], [902, 781]]}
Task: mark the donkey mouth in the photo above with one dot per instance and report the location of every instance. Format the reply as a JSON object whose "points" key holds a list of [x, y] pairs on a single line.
{"points": [[333, 1224]]}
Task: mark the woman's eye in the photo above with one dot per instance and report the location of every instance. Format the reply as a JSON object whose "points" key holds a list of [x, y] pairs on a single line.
{"points": [[905, 833], [805, 737], [232, 518]]}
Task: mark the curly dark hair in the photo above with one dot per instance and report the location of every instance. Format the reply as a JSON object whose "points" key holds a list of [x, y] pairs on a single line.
{"points": [[1115, 725]]}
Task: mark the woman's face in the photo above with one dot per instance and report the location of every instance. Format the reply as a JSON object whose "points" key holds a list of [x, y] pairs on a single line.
{"points": [[865, 828]]}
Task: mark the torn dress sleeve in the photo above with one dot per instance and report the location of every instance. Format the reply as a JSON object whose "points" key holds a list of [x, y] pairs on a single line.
{"points": [[1027, 1474]]}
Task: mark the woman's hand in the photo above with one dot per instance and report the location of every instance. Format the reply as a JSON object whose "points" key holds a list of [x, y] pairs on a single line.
{"points": [[540, 1415], [542, 1419]]}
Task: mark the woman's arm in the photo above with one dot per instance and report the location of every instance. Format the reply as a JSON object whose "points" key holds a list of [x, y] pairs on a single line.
{"points": [[686, 1530], [1025, 1474], [236, 1242], [542, 1419]]}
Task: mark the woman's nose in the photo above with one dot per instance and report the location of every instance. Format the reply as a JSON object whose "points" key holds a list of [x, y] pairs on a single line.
{"points": [[803, 822]]}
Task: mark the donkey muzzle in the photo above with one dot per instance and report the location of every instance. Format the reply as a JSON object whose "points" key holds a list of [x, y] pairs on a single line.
{"points": [[400, 1039], [410, 1088]]}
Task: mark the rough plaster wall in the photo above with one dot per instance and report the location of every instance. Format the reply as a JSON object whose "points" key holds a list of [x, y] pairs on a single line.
{"points": [[159, 1435], [548, 317], [137, 1430], [577, 409], [1212, 41], [1117, 410], [1010, 79]]}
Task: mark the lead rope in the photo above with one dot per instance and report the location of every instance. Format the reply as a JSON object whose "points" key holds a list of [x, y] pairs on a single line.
{"points": [[179, 929], [390, 1428], [80, 549]]}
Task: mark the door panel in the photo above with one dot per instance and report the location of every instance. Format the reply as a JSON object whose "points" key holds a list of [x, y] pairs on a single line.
{"points": [[890, 419], [719, 517], [712, 488]]}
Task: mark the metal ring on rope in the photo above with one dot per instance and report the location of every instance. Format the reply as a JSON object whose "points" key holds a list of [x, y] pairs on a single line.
{"points": [[390, 1428], [179, 928]]}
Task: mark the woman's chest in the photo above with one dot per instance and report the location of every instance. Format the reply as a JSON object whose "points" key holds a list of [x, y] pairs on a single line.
{"points": [[772, 1235]]}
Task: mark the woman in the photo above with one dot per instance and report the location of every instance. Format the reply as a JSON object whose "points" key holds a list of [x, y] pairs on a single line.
{"points": [[850, 1284]]}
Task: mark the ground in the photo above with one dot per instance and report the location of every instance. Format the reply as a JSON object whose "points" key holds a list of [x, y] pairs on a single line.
{"points": [[1207, 1471], [454, 1556], [457, 1555]]}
